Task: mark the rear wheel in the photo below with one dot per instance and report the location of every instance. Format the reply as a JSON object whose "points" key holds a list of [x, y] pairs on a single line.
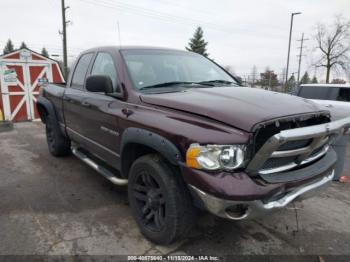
{"points": [[159, 200], [58, 144]]}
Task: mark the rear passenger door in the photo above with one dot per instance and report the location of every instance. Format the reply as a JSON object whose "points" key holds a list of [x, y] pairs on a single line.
{"points": [[100, 126], [74, 96]]}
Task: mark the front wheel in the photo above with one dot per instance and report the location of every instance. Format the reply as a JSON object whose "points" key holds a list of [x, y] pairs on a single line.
{"points": [[159, 200]]}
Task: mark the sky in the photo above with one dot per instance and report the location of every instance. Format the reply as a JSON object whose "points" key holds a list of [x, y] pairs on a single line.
{"points": [[240, 34]]}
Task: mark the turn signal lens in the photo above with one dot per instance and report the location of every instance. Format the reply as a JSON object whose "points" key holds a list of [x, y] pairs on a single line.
{"points": [[191, 156]]}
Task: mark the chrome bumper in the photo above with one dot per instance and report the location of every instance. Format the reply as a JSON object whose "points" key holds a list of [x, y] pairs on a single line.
{"points": [[239, 210]]}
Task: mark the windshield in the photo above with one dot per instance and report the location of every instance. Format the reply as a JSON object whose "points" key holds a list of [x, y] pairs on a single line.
{"points": [[153, 68]]}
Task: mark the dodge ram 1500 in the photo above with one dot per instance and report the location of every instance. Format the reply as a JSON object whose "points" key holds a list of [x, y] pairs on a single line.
{"points": [[183, 134]]}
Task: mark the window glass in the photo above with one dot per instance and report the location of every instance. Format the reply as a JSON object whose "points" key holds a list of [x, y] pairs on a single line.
{"points": [[344, 95], [151, 67], [80, 70], [104, 66], [314, 92]]}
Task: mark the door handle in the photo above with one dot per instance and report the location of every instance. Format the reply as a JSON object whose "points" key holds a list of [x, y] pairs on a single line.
{"points": [[127, 112], [69, 100], [84, 103]]}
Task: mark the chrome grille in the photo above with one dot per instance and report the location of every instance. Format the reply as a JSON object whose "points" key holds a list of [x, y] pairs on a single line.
{"points": [[296, 147], [277, 162], [295, 144], [274, 165]]}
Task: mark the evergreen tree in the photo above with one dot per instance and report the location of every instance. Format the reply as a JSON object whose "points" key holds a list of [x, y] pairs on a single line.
{"points": [[291, 83], [305, 79], [44, 52], [8, 47], [197, 43], [314, 80], [268, 79], [23, 45]]}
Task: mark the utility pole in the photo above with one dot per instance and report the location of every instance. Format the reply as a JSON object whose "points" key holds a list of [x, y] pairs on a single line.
{"points": [[120, 39], [300, 54], [64, 37], [290, 38]]}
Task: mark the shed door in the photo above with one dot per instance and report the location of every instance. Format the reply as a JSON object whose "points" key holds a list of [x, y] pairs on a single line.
{"points": [[37, 75], [20, 88]]}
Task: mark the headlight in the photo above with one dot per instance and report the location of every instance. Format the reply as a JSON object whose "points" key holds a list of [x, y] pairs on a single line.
{"points": [[214, 157]]}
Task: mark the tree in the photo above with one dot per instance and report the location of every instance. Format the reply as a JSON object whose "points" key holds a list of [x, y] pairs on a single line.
{"points": [[268, 79], [305, 79], [254, 75], [229, 69], [44, 52], [314, 80], [197, 43], [333, 44], [291, 83], [8, 47], [23, 45], [338, 81]]}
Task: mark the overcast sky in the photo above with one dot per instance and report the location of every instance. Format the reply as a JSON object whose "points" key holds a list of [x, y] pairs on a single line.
{"points": [[240, 33]]}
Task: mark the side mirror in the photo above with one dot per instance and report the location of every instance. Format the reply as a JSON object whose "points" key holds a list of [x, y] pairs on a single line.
{"points": [[99, 83]]}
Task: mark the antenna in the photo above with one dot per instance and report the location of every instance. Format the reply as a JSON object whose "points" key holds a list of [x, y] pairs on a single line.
{"points": [[120, 39]]}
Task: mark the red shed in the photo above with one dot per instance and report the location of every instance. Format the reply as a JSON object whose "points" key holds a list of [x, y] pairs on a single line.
{"points": [[21, 74]]}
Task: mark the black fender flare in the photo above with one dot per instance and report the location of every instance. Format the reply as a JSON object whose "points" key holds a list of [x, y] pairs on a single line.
{"points": [[47, 104], [150, 139]]}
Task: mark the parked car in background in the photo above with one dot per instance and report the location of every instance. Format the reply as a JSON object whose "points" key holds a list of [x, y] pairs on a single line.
{"points": [[182, 132], [336, 99]]}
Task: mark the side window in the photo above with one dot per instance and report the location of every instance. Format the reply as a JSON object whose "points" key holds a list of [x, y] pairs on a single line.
{"points": [[80, 71], [333, 94], [104, 65], [313, 92], [344, 95]]}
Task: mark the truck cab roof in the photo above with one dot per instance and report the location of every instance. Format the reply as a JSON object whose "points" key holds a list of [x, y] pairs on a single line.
{"points": [[130, 47]]}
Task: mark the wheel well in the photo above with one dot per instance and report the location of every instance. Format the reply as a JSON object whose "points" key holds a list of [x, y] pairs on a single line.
{"points": [[42, 112], [132, 152]]}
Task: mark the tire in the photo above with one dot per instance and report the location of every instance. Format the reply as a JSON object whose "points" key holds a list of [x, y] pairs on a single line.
{"points": [[154, 186], [58, 144]]}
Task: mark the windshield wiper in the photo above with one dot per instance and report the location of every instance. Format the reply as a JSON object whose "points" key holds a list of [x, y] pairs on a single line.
{"points": [[174, 83], [218, 81], [165, 84]]}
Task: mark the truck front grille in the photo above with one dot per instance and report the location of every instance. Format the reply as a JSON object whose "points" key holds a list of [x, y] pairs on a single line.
{"points": [[295, 144], [278, 162], [280, 147]]}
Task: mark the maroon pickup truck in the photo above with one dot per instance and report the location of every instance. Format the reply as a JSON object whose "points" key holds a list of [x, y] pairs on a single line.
{"points": [[183, 134]]}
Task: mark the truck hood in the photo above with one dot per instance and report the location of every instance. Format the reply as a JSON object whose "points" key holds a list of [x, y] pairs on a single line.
{"points": [[241, 107]]}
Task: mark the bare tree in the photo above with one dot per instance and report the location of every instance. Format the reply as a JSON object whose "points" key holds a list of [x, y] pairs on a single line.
{"points": [[229, 69], [333, 43]]}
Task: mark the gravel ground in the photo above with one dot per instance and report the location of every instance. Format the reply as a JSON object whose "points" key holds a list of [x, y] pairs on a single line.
{"points": [[59, 206]]}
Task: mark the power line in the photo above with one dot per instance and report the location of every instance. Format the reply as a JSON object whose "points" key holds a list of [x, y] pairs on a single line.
{"points": [[165, 16], [145, 11]]}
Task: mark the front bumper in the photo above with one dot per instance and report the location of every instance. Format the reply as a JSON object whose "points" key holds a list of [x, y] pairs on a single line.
{"points": [[255, 191], [239, 210]]}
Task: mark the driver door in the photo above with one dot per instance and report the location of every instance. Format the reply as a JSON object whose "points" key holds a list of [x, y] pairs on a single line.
{"points": [[101, 125]]}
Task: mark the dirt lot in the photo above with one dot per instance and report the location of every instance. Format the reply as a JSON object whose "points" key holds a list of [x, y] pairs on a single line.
{"points": [[60, 206]]}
